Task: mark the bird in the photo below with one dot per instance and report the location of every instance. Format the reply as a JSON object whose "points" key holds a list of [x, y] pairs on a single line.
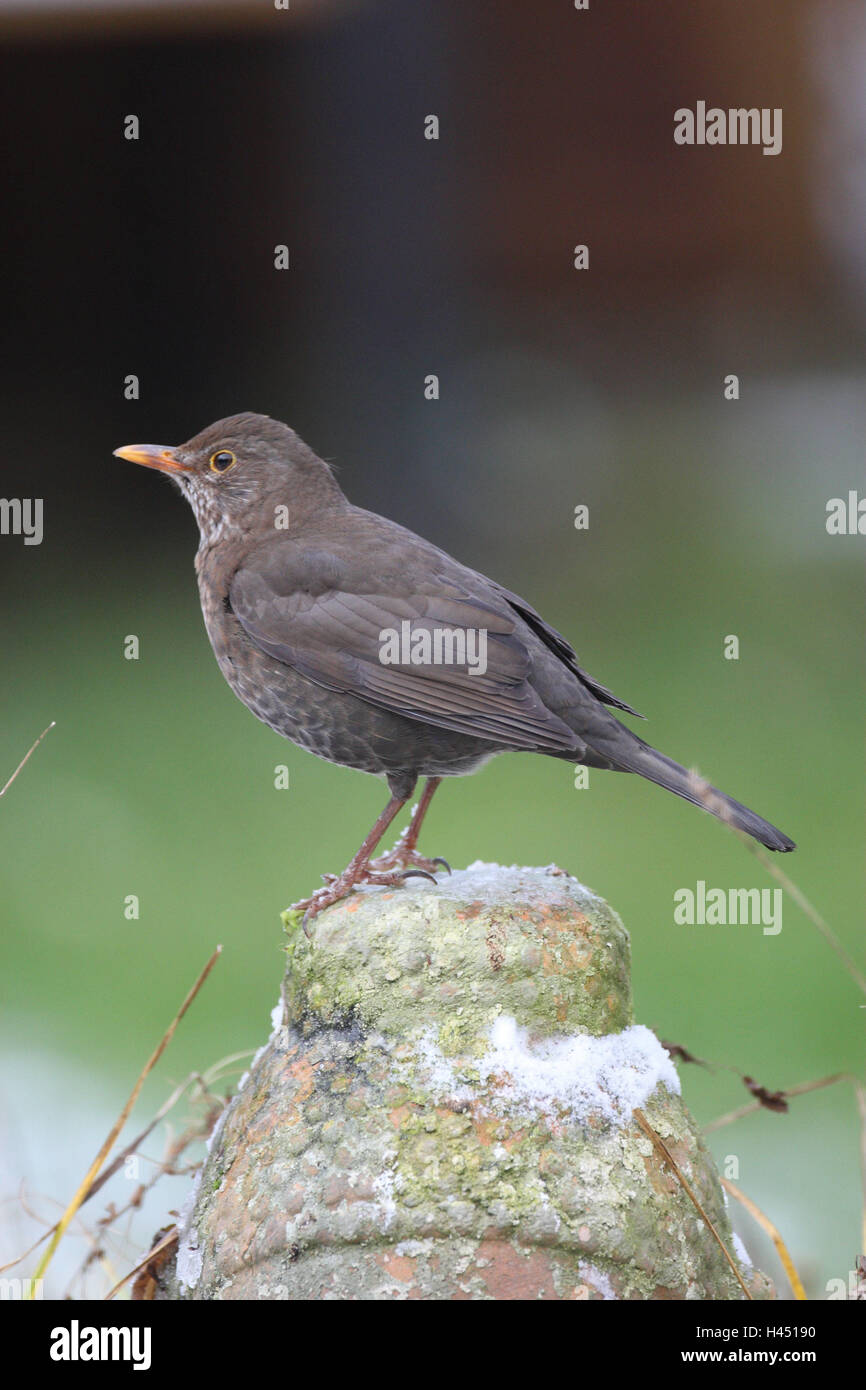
{"points": [[372, 648]]}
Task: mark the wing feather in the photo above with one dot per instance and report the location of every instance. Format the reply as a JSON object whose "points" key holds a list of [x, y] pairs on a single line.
{"points": [[291, 609]]}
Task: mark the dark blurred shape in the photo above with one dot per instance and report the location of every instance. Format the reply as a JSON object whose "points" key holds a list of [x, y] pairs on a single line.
{"points": [[33, 19], [408, 256]]}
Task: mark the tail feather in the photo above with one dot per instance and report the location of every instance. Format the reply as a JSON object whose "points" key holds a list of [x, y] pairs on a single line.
{"points": [[634, 755]]}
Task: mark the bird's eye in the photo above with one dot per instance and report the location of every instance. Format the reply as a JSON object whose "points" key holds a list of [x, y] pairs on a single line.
{"points": [[222, 461]]}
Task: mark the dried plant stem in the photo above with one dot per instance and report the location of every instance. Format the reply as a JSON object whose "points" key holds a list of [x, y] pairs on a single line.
{"points": [[799, 1090], [204, 1080], [30, 751], [170, 1239], [781, 1248], [808, 908], [659, 1144], [85, 1186]]}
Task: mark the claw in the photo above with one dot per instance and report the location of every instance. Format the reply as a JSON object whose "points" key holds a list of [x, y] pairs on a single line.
{"points": [[339, 886], [444, 862]]}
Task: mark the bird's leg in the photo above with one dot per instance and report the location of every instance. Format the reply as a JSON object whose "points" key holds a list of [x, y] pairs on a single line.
{"points": [[359, 869], [405, 853]]}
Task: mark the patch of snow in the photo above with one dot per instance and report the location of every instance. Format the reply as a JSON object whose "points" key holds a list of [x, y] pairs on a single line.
{"points": [[384, 1188], [741, 1252], [583, 1074], [439, 1070], [189, 1255], [597, 1279], [513, 882], [498, 883], [578, 1076], [413, 1248], [212, 1137]]}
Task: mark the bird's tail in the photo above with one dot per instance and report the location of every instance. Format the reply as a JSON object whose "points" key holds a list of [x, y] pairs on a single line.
{"points": [[633, 755]]}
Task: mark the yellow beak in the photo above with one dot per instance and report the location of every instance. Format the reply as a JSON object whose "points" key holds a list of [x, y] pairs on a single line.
{"points": [[152, 456]]}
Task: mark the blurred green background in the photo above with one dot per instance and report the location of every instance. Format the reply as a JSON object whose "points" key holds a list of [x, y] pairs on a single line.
{"points": [[706, 519]]}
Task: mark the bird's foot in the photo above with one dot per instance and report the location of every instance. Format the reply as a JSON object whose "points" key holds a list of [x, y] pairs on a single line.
{"points": [[339, 886], [402, 858]]}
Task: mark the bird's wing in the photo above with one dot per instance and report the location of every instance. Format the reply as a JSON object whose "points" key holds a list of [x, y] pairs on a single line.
{"points": [[327, 617], [563, 649]]}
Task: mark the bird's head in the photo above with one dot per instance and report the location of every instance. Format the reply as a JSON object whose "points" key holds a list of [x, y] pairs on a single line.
{"points": [[238, 471]]}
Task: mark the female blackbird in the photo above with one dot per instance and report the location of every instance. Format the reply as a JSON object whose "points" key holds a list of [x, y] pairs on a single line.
{"points": [[365, 644]]}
